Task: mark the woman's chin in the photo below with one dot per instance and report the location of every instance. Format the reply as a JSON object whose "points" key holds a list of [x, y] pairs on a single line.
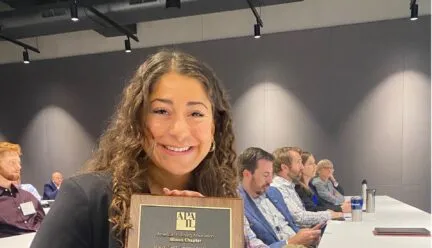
{"points": [[180, 173]]}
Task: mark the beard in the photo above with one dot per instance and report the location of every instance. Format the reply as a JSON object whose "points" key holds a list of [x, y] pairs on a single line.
{"points": [[11, 176], [263, 189], [259, 190], [293, 177], [296, 180]]}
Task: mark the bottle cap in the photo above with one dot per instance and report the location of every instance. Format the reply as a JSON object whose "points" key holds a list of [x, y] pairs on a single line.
{"points": [[364, 181]]}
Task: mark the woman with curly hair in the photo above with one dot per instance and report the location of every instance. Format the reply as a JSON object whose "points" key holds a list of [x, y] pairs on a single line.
{"points": [[171, 135]]}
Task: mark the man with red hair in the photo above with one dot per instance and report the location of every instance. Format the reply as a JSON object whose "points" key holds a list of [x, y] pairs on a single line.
{"points": [[20, 211]]}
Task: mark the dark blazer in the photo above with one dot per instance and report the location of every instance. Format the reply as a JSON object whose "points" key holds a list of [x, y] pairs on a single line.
{"points": [[307, 198], [79, 216], [257, 221], [50, 191]]}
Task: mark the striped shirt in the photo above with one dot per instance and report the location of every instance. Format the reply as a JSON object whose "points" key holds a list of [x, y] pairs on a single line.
{"points": [[30, 188]]}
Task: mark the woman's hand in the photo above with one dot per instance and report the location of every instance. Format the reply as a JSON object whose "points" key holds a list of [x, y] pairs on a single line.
{"points": [[175, 192], [346, 207], [332, 178]]}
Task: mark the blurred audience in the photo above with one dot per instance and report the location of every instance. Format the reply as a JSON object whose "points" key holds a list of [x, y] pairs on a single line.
{"points": [[268, 220], [51, 188], [29, 188], [311, 201], [326, 185], [288, 167]]}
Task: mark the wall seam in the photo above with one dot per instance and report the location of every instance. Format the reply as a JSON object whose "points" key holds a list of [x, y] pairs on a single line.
{"points": [[403, 115]]}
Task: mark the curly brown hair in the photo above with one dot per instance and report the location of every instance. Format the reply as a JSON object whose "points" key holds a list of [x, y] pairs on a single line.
{"points": [[120, 151]]}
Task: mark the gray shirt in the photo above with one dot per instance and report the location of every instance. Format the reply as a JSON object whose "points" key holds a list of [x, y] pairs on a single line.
{"points": [[327, 191]]}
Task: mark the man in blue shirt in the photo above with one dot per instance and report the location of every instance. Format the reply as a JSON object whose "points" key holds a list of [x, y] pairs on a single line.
{"points": [[29, 188]]}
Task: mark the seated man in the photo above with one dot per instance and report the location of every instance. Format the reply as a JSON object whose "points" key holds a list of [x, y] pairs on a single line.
{"points": [[288, 166], [270, 221], [325, 184], [29, 188], [20, 211], [51, 188]]}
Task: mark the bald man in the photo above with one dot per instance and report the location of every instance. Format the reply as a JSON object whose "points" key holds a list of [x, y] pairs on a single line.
{"points": [[51, 188]]}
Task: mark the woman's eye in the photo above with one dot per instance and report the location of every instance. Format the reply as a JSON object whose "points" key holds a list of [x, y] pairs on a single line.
{"points": [[160, 111], [197, 114]]}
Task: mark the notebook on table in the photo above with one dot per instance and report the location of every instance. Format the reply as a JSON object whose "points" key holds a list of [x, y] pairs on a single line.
{"points": [[403, 231]]}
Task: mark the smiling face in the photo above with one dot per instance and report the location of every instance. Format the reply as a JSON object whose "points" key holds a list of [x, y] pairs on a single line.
{"points": [[179, 124]]}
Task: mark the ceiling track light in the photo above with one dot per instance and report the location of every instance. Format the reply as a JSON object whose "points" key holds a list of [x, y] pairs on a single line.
{"points": [[414, 11], [26, 59], [257, 31], [127, 45], [129, 34], [74, 11], [26, 47], [173, 4]]}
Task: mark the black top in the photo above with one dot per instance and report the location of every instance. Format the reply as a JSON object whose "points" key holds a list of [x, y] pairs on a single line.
{"points": [[306, 197], [79, 216]]}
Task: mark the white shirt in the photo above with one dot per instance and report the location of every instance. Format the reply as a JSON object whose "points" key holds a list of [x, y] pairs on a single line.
{"points": [[295, 205]]}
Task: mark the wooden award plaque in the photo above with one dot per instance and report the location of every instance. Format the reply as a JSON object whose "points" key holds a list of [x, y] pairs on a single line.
{"points": [[185, 222]]}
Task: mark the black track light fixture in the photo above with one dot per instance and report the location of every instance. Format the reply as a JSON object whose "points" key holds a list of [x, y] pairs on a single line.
{"points": [[26, 59], [257, 31], [127, 45], [173, 4], [74, 11]]}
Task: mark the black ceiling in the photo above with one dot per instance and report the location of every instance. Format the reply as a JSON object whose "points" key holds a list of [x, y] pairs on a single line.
{"points": [[29, 18]]}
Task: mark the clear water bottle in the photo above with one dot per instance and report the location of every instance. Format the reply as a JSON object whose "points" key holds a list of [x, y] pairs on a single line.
{"points": [[364, 190], [370, 200]]}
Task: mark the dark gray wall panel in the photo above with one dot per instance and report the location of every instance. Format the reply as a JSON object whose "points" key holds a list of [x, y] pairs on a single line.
{"points": [[356, 94]]}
